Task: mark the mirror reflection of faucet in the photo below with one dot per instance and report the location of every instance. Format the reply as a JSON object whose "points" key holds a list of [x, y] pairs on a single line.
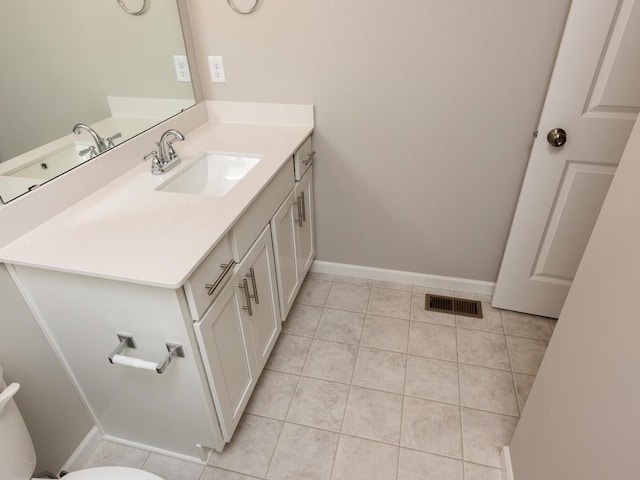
{"points": [[102, 145]]}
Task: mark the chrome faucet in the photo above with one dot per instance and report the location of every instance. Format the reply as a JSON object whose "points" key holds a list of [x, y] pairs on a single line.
{"points": [[101, 144], [165, 158]]}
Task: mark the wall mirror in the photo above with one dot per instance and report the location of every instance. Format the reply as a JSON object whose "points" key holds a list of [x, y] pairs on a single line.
{"points": [[73, 62]]}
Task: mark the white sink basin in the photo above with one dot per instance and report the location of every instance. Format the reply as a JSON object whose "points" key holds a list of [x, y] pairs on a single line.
{"points": [[213, 175]]}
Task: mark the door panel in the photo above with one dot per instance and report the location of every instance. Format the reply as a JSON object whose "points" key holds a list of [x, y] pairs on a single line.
{"points": [[228, 363], [306, 240], [285, 237], [593, 95]]}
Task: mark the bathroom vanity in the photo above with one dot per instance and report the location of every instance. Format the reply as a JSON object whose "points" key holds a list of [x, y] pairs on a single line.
{"points": [[161, 273]]}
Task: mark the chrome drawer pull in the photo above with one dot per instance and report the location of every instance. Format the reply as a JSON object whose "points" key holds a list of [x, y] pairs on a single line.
{"points": [[227, 268], [127, 341], [252, 276], [310, 157], [247, 296], [303, 208], [298, 206]]}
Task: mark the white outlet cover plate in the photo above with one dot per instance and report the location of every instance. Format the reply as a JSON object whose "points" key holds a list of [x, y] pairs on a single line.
{"points": [[217, 69], [182, 68]]}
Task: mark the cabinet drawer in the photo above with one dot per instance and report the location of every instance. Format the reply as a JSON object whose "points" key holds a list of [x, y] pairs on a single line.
{"points": [[205, 283], [303, 158], [252, 222]]}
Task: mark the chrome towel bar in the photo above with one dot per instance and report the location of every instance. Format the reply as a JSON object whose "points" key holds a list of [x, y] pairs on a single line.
{"points": [[127, 341]]}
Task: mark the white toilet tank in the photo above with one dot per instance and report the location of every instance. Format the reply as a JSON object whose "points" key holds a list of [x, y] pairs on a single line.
{"points": [[17, 456]]}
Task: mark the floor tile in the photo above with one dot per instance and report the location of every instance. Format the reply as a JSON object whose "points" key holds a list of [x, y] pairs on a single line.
{"points": [[529, 326], [109, 454], [415, 465], [491, 320], [340, 326], [352, 280], [359, 459], [419, 314], [405, 287], [344, 296], [272, 395], [331, 361], [380, 370], [213, 473], [474, 296], [314, 292], [526, 354], [433, 290], [303, 453], [373, 415], [318, 403], [289, 354], [484, 434], [523, 387], [385, 333], [432, 379], [390, 303], [172, 469], [327, 277], [431, 427], [302, 320], [473, 471], [435, 341], [251, 447], [483, 349], [488, 389]]}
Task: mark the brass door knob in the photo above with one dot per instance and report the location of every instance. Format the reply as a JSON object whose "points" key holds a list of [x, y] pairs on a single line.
{"points": [[557, 137]]}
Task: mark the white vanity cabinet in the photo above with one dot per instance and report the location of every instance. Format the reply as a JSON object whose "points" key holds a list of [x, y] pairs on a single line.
{"points": [[238, 332], [226, 316], [293, 233]]}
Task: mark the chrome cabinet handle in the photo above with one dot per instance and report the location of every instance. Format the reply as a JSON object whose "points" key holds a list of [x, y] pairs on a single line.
{"points": [[247, 296], [303, 207], [252, 276], [227, 268], [298, 205], [310, 157]]}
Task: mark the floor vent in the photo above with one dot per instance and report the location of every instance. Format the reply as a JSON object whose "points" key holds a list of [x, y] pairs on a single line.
{"points": [[454, 306]]}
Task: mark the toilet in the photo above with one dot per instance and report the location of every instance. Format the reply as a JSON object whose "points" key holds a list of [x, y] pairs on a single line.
{"points": [[18, 457]]}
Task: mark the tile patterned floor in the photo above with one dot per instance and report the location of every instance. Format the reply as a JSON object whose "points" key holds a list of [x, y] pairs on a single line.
{"points": [[365, 384]]}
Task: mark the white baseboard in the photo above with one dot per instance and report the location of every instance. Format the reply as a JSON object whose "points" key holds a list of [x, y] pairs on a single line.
{"points": [[505, 463], [422, 279], [160, 451], [83, 452]]}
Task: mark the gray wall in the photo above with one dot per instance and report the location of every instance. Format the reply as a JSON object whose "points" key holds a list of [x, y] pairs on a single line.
{"points": [[425, 111], [581, 420], [61, 59], [53, 411]]}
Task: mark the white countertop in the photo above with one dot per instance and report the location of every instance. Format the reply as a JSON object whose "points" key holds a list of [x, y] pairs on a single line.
{"points": [[129, 231]]}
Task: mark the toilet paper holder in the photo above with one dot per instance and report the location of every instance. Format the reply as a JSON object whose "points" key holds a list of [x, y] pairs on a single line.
{"points": [[127, 341]]}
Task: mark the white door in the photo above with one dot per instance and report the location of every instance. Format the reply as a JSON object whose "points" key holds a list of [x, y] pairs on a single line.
{"points": [[594, 95]]}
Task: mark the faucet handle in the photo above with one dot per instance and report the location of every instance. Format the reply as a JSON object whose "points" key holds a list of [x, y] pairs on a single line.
{"points": [[110, 143], [153, 155]]}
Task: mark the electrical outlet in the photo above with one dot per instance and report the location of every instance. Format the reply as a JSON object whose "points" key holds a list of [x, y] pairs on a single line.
{"points": [[217, 69], [182, 68]]}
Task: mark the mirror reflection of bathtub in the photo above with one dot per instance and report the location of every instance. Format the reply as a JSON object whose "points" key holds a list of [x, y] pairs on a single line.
{"points": [[112, 71]]}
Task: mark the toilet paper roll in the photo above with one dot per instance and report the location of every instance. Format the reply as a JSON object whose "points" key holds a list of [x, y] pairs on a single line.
{"points": [[134, 362]]}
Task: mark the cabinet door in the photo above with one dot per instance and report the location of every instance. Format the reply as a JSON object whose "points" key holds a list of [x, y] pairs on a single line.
{"points": [[305, 239], [263, 319], [230, 365], [284, 224]]}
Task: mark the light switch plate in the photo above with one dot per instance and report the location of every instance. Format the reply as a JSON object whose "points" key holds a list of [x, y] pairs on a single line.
{"points": [[217, 69]]}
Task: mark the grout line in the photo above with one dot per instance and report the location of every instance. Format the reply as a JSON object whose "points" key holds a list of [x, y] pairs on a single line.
{"points": [[460, 401], [513, 378]]}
